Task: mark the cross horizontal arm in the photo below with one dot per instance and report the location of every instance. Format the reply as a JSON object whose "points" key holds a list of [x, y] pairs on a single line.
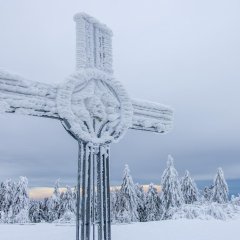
{"points": [[149, 116], [18, 95], [21, 96]]}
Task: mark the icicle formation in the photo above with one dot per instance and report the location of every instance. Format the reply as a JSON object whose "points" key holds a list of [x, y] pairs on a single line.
{"points": [[220, 188], [171, 195], [189, 189]]}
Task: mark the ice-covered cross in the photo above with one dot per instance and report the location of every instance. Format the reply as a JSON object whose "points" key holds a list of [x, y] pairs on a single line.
{"points": [[96, 110]]}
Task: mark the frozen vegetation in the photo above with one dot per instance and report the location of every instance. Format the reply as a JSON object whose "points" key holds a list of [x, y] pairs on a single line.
{"points": [[179, 198]]}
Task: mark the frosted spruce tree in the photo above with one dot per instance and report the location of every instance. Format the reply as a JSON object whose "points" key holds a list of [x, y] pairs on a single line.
{"points": [[141, 200], [171, 194], [7, 191], [113, 205], [34, 211], [220, 188], [189, 189], [53, 204], [126, 206], [207, 193], [44, 211], [20, 205], [74, 195], [152, 204], [67, 206]]}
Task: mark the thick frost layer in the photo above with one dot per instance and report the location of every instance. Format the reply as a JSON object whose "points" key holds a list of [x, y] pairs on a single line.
{"points": [[18, 95], [150, 116], [94, 44], [81, 111], [96, 107]]}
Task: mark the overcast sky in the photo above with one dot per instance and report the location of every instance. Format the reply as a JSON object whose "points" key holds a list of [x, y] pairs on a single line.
{"points": [[185, 54]]}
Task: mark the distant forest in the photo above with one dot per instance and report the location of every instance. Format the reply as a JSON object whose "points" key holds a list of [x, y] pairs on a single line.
{"points": [[178, 198]]}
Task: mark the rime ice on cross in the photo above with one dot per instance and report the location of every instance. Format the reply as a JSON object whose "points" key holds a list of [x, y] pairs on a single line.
{"points": [[96, 110]]}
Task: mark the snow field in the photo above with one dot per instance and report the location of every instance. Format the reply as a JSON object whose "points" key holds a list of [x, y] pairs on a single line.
{"points": [[167, 230]]}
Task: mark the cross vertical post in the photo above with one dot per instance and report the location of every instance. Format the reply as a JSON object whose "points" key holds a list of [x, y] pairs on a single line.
{"points": [[93, 50]]}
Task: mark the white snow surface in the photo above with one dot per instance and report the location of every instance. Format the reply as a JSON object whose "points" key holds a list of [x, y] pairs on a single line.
{"points": [[168, 230]]}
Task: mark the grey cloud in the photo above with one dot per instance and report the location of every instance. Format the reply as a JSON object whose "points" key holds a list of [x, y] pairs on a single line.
{"points": [[182, 53]]}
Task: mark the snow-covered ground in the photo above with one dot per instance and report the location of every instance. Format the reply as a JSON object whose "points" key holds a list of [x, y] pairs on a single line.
{"points": [[167, 230]]}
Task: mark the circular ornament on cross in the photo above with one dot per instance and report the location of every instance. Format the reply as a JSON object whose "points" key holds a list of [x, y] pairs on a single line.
{"points": [[94, 107]]}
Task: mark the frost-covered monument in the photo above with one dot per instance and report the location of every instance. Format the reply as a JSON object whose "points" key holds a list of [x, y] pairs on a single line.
{"points": [[96, 110]]}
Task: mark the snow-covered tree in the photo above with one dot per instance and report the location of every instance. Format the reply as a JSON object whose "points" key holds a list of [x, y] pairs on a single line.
{"points": [[141, 208], [113, 202], [220, 188], [22, 216], [35, 214], [152, 204], [53, 204], [207, 193], [7, 190], [67, 204], [21, 198], [235, 200], [9, 217], [171, 194], [2, 217], [74, 196], [20, 204], [126, 206], [189, 189], [44, 211]]}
